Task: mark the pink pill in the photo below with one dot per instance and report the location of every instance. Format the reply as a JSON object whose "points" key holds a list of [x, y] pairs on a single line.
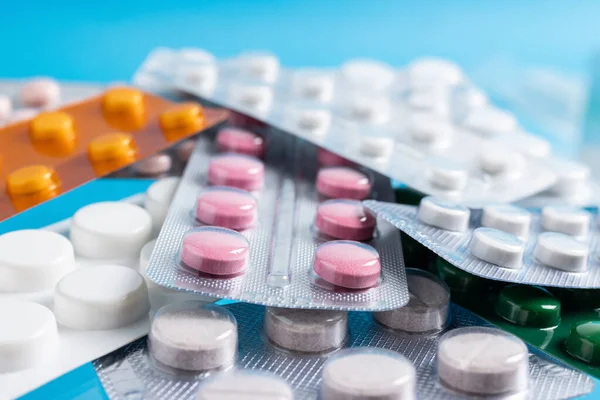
{"points": [[154, 165], [216, 251], [329, 159], [40, 92], [345, 219], [348, 264], [343, 183], [184, 150], [236, 170], [241, 141], [227, 207]]}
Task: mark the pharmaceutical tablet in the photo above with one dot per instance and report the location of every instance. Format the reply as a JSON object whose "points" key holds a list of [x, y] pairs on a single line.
{"points": [[376, 145], [427, 308], [348, 264], [434, 72], [428, 130], [154, 166], [444, 214], [259, 65], [561, 251], [245, 385], [368, 74], [216, 251], [110, 230], [447, 176], [306, 331], [226, 207], [241, 141], [5, 107], [158, 199], [497, 247], [489, 121], [40, 92], [28, 336], [345, 219], [483, 361], [564, 219], [33, 260], [184, 150], [101, 297], [496, 160], [572, 177], [257, 99], [236, 170], [343, 183], [328, 159], [312, 121], [193, 336], [202, 77], [507, 218], [368, 373], [313, 85], [371, 109]]}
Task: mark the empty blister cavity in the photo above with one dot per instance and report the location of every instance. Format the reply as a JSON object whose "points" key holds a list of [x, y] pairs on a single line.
{"points": [[215, 251], [312, 85], [193, 336], [347, 264], [367, 74], [444, 214], [237, 140], [306, 331], [427, 308], [507, 218], [448, 176], [490, 121], [259, 65], [561, 251], [345, 219], [33, 260], [226, 207], [564, 219], [245, 385], [236, 170], [158, 199], [343, 183], [368, 373], [483, 361], [154, 166], [497, 247], [432, 71]]}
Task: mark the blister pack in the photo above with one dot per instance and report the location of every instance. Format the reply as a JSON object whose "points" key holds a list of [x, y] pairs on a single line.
{"points": [[424, 125], [556, 246], [208, 352], [283, 232]]}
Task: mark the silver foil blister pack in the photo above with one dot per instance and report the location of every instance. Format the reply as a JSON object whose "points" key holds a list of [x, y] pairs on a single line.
{"points": [[424, 125], [282, 242]]}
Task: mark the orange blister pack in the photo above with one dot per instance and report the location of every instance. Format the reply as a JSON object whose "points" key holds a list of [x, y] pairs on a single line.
{"points": [[61, 149]]}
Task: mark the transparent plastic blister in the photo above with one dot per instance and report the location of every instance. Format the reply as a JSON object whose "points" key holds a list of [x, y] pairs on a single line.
{"points": [[278, 257], [424, 125], [554, 246]]}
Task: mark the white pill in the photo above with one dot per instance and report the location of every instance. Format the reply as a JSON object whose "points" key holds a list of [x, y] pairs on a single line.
{"points": [[28, 336], [507, 218], [470, 98], [434, 71], [483, 361], [447, 176], [259, 65], [255, 98], [245, 385], [433, 101], [561, 251], [368, 109], [368, 373], [488, 121], [371, 75], [376, 145], [429, 129], [40, 92], [427, 308], [315, 121], [158, 199], [565, 219], [199, 77], [5, 107], [110, 230], [154, 166], [497, 247], [572, 177], [313, 85], [306, 331], [33, 260], [444, 214], [193, 336], [496, 160], [101, 297]]}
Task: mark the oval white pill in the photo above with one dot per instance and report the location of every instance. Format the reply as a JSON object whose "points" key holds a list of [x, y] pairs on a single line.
{"points": [[33, 260], [497, 247], [564, 219], [429, 130], [315, 121], [255, 98], [313, 85], [259, 65], [489, 121], [28, 336], [375, 145], [200, 77], [158, 199], [561, 251], [368, 109], [100, 297], [368, 373], [444, 214], [497, 160], [368, 74], [245, 385], [110, 230], [483, 361], [507, 218], [572, 177], [447, 176]]}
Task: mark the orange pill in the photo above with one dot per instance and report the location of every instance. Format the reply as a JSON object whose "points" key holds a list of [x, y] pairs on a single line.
{"points": [[112, 147], [124, 101], [31, 180], [182, 119], [52, 126]]}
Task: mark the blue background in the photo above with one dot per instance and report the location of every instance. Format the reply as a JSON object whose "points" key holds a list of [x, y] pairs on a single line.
{"points": [[105, 41]]}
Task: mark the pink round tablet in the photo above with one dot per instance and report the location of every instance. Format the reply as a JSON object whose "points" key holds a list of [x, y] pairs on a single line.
{"points": [[40, 92], [348, 264], [155, 165], [343, 183], [345, 219], [241, 141], [184, 150], [237, 170], [329, 159], [216, 251], [227, 207]]}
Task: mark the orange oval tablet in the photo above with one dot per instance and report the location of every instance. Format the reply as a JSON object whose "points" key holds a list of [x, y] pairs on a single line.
{"points": [[112, 147], [181, 120], [30, 180]]}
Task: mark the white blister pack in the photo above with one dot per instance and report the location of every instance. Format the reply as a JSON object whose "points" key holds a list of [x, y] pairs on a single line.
{"points": [[423, 125], [265, 233], [554, 246]]}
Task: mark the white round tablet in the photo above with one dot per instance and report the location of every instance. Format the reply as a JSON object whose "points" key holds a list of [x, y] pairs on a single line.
{"points": [[376, 145], [314, 121], [483, 361], [368, 109], [368, 74], [5, 107], [444, 214], [313, 85], [565, 219], [110, 230], [259, 65], [200, 77], [434, 71], [429, 130], [28, 336], [40, 92], [33, 260], [193, 336], [497, 160], [572, 177], [507, 218], [497, 247], [101, 297], [254, 98], [368, 373], [158, 199], [561, 251], [447, 176], [245, 385], [435, 102], [489, 121]]}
